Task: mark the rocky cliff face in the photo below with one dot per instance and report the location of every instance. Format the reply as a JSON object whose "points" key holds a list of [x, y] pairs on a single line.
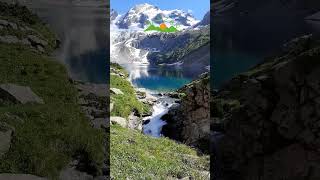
{"points": [[266, 122], [189, 122]]}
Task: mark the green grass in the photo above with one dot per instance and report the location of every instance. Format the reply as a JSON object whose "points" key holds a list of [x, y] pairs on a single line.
{"points": [[137, 156], [126, 103], [46, 136]]}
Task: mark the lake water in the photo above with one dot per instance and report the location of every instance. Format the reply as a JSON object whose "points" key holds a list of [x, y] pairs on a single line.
{"points": [[160, 79], [240, 44]]}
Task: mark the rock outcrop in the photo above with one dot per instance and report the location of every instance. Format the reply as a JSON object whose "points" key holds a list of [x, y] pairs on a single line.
{"points": [[18, 94], [266, 121], [30, 38], [6, 133], [189, 122], [93, 98]]}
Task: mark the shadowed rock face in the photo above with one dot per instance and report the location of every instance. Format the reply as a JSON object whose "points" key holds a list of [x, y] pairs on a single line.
{"points": [[269, 117], [190, 122]]}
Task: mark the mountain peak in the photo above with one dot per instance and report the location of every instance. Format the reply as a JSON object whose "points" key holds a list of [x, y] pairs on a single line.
{"points": [[144, 7], [139, 15]]}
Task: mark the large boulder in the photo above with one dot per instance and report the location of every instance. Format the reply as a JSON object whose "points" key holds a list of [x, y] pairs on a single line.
{"points": [[118, 120], [116, 91], [190, 122], [18, 94]]}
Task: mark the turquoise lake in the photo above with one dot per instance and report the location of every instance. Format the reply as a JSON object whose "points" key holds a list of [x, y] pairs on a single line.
{"points": [[160, 79]]}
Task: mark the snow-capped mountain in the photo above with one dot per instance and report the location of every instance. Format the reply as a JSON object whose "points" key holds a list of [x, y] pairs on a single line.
{"points": [[113, 14], [138, 16], [129, 44], [205, 21]]}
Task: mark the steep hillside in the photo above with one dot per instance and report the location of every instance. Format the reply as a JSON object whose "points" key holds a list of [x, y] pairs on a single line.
{"points": [[189, 122], [186, 43], [265, 121], [42, 127]]}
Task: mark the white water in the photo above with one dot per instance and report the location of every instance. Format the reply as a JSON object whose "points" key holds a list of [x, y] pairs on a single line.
{"points": [[154, 127]]}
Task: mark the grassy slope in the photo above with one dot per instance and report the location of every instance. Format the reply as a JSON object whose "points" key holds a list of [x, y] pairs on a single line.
{"points": [[46, 136], [124, 104], [138, 156]]}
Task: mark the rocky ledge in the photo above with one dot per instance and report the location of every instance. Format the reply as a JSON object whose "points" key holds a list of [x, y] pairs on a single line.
{"points": [[14, 33], [189, 122], [93, 98], [266, 122]]}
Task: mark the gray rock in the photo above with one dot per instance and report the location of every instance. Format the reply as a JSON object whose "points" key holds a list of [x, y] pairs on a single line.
{"points": [[99, 123], [4, 22], [314, 17], [5, 138], [9, 39], [19, 94], [40, 48], [13, 25], [73, 174], [111, 106], [35, 41], [7, 176], [100, 90], [118, 120], [26, 42], [134, 122], [116, 91]]}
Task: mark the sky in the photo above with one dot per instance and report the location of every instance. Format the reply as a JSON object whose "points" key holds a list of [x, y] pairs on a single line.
{"points": [[198, 7]]}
